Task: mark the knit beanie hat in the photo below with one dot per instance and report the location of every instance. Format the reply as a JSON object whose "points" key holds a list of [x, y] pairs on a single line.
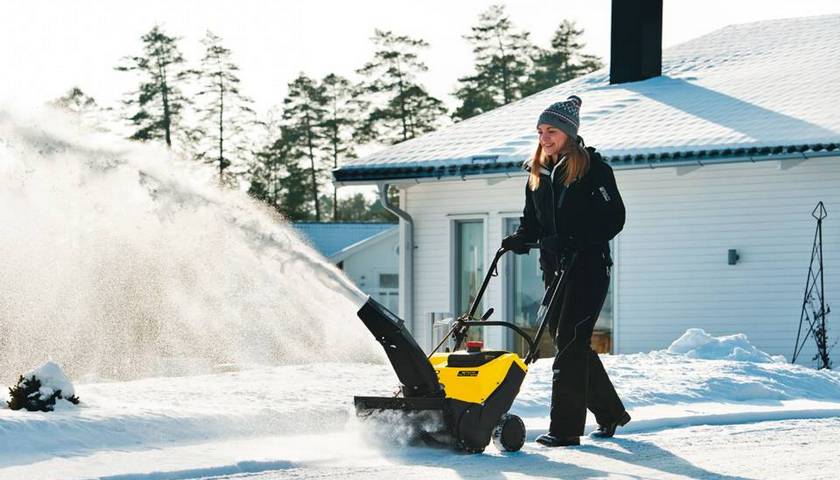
{"points": [[563, 115]]}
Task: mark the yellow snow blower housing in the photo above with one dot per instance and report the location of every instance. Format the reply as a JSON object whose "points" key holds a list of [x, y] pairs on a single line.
{"points": [[474, 376], [468, 391]]}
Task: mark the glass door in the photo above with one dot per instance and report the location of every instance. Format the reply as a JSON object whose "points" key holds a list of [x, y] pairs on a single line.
{"points": [[524, 287], [469, 267]]}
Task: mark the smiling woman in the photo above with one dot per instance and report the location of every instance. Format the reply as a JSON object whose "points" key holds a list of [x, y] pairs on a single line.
{"points": [[572, 206]]}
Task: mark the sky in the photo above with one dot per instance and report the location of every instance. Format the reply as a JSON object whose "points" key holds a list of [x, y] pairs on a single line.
{"points": [[46, 47]]}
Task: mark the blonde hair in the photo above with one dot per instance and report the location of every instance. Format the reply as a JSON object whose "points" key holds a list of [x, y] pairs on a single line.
{"points": [[575, 166]]}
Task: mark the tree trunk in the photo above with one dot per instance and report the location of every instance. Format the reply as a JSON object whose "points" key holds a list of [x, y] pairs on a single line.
{"points": [[221, 130], [403, 113], [312, 168], [335, 165], [167, 116]]}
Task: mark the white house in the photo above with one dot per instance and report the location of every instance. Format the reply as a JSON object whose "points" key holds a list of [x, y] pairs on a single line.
{"points": [[367, 252], [729, 148]]}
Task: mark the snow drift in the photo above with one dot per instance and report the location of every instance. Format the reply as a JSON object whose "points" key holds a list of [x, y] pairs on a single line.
{"points": [[121, 261], [696, 343]]}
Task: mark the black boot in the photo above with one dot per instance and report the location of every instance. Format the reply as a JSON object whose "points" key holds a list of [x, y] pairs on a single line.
{"points": [[550, 440], [608, 430]]}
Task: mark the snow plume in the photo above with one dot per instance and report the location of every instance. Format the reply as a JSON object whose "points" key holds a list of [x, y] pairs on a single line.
{"points": [[121, 261]]}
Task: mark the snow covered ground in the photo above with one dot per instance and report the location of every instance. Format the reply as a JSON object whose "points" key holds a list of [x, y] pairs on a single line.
{"points": [[692, 417]]}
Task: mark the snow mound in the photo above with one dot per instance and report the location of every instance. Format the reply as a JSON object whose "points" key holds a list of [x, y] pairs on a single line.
{"points": [[52, 379], [696, 343]]}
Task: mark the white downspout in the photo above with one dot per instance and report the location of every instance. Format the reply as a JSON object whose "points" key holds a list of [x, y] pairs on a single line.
{"points": [[406, 280]]}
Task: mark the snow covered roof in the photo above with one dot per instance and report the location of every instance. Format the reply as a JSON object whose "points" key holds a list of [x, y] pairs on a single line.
{"points": [[332, 239], [748, 92]]}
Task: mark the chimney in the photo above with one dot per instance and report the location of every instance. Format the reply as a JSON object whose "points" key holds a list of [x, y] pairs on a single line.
{"points": [[636, 40]]}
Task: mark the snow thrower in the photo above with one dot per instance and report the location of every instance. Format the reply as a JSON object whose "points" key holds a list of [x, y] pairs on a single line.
{"points": [[459, 398]]}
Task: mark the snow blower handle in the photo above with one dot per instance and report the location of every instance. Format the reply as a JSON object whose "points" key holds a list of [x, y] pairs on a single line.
{"points": [[492, 272], [462, 323], [550, 298]]}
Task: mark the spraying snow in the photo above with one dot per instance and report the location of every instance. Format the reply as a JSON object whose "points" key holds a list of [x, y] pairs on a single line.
{"points": [[121, 261]]}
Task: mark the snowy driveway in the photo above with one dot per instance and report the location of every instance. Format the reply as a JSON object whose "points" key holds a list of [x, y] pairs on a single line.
{"points": [[695, 418]]}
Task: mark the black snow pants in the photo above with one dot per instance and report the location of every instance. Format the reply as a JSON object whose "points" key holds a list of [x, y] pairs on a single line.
{"points": [[580, 381]]}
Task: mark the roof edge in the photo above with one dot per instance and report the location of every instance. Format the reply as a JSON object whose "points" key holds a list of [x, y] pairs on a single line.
{"points": [[410, 174], [355, 247]]}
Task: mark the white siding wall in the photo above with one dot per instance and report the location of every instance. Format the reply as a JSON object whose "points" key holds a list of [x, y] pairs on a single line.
{"points": [[364, 266], [672, 272]]}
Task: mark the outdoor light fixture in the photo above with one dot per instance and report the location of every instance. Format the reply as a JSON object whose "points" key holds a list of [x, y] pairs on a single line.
{"points": [[733, 256]]}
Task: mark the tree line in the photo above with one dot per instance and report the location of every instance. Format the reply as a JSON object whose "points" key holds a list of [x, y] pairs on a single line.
{"points": [[285, 159]]}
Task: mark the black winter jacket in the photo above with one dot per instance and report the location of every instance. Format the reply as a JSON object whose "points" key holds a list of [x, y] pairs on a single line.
{"points": [[587, 214]]}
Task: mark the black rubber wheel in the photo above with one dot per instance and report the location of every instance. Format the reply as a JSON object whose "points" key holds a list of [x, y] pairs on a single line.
{"points": [[509, 434]]}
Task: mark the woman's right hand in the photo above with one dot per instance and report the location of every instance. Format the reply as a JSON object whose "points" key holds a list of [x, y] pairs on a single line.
{"points": [[516, 244]]}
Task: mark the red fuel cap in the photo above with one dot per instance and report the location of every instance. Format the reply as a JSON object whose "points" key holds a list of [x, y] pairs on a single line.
{"points": [[475, 345]]}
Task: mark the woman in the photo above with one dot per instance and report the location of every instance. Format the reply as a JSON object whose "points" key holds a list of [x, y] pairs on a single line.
{"points": [[572, 205]]}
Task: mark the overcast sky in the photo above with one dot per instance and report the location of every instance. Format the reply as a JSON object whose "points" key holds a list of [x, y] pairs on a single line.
{"points": [[48, 46]]}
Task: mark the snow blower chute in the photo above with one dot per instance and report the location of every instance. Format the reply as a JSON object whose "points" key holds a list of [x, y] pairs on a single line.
{"points": [[467, 392]]}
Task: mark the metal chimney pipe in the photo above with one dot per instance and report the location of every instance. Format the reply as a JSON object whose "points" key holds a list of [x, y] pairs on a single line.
{"points": [[636, 40]]}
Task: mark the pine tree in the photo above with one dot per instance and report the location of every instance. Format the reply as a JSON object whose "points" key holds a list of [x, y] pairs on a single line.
{"points": [[225, 113], [158, 100], [401, 107], [564, 61], [260, 169], [502, 64], [357, 208], [303, 118], [76, 101], [341, 116], [475, 98], [84, 108], [278, 180]]}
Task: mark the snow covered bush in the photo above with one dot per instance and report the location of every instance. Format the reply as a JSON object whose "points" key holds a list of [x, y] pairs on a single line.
{"points": [[40, 389]]}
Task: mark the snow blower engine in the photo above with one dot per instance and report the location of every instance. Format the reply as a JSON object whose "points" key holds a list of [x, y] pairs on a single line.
{"points": [[459, 398]]}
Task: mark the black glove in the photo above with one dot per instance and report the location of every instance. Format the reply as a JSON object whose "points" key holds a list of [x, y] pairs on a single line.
{"points": [[516, 244], [556, 244]]}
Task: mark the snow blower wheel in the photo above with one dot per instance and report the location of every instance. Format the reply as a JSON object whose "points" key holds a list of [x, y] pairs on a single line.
{"points": [[509, 434]]}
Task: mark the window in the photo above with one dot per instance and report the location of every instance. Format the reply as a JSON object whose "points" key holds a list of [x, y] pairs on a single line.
{"points": [[389, 291], [389, 280], [469, 266]]}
